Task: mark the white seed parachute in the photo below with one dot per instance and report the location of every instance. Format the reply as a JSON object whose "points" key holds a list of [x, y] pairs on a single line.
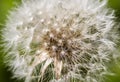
{"points": [[60, 40]]}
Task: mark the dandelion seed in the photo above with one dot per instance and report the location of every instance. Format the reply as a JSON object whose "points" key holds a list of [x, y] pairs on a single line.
{"points": [[63, 41], [42, 20]]}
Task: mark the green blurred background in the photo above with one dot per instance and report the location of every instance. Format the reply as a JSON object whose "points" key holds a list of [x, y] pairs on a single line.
{"points": [[7, 5]]}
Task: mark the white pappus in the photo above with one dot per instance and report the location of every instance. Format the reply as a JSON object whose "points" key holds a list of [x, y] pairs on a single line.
{"points": [[60, 40]]}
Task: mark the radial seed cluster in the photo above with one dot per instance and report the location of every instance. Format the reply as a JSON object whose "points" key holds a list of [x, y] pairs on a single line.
{"points": [[60, 43], [59, 40]]}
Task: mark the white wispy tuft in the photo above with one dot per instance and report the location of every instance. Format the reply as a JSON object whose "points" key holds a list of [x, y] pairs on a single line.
{"points": [[60, 40]]}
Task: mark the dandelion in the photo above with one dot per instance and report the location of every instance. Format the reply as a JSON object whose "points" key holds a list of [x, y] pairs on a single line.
{"points": [[60, 40]]}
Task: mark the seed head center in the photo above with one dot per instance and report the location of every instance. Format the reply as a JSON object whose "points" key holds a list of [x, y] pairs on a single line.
{"points": [[59, 43]]}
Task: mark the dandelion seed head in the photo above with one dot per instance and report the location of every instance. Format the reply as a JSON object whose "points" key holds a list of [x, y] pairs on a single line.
{"points": [[60, 40]]}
